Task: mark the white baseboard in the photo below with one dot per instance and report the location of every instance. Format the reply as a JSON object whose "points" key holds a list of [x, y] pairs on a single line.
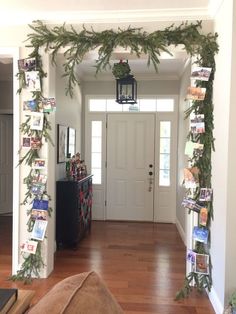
{"points": [[218, 307], [181, 231]]}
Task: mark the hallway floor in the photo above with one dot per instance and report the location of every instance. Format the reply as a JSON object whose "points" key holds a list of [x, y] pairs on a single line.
{"points": [[143, 264]]}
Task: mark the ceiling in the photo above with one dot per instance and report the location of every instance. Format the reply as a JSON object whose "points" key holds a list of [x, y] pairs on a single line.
{"points": [[105, 14]]}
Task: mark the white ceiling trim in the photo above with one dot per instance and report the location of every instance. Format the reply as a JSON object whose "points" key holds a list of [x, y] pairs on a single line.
{"points": [[138, 77], [111, 16]]}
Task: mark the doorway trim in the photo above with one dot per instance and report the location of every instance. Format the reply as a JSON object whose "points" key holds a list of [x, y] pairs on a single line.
{"points": [[13, 52]]}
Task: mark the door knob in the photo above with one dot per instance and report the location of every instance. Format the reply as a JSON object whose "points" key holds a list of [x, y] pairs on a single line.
{"points": [[150, 166], [150, 173]]}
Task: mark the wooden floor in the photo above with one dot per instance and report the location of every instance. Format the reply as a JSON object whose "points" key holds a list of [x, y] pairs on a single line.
{"points": [[143, 264]]}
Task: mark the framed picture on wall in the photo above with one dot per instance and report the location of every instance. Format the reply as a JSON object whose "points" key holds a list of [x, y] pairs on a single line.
{"points": [[71, 142], [61, 143]]}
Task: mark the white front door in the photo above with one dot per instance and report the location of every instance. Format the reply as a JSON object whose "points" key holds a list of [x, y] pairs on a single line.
{"points": [[130, 167], [6, 163]]}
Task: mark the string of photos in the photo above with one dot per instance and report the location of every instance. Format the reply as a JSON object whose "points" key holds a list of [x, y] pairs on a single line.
{"points": [[76, 44], [34, 133], [197, 179]]}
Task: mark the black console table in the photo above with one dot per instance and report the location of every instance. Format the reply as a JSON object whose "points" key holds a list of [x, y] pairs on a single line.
{"points": [[73, 210]]}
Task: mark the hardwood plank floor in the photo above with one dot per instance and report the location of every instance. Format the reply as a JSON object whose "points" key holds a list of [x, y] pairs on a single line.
{"points": [[143, 264]]}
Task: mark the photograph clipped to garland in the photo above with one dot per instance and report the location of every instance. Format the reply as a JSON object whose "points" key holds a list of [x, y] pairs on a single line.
{"points": [[197, 179], [47, 39]]}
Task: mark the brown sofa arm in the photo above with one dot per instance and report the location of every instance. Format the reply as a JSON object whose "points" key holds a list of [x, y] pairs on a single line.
{"points": [[79, 294]]}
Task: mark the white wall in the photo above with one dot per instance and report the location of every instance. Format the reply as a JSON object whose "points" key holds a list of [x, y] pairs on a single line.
{"points": [[68, 111], [231, 195], [158, 87], [223, 238], [182, 138]]}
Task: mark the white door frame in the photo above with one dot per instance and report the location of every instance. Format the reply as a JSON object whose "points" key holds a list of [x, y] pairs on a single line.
{"points": [[13, 52], [168, 116]]}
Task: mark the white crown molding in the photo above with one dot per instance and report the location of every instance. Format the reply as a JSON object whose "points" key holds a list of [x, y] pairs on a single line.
{"points": [[103, 16], [138, 77]]}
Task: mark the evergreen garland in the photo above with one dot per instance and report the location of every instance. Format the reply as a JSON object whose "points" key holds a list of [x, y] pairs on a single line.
{"points": [[77, 44]]}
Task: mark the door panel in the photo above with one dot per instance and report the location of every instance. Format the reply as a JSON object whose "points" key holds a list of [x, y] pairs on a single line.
{"points": [[6, 163], [130, 151]]}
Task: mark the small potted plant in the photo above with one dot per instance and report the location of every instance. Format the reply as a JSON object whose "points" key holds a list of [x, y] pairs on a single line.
{"points": [[232, 302], [121, 69], [231, 308]]}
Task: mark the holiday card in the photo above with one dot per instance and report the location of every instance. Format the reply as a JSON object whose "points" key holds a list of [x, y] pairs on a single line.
{"points": [[30, 105], [29, 247], [198, 150], [35, 143], [48, 104], [191, 180], [32, 80], [39, 214], [201, 73], [197, 124], [40, 204], [28, 64], [203, 215], [191, 256], [39, 163], [205, 195], [191, 204], [196, 93], [37, 188], [200, 234], [193, 149], [39, 178], [36, 121], [26, 142], [39, 229], [189, 147], [201, 264]]}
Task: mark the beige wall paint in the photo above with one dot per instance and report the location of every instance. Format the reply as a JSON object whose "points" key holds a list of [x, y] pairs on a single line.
{"points": [[182, 137], [68, 111]]}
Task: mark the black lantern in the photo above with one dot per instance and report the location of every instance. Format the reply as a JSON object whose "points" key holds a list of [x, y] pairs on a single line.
{"points": [[126, 90]]}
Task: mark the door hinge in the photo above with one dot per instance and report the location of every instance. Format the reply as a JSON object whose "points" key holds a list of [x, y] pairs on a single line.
{"points": [[105, 203], [105, 164]]}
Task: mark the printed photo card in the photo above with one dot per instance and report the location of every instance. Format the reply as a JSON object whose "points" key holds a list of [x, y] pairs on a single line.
{"points": [[40, 204], [196, 93], [201, 264], [30, 105], [205, 195], [193, 149], [39, 163], [197, 124], [36, 121], [32, 80], [191, 180], [29, 247], [203, 216], [191, 204], [37, 188], [27, 64], [39, 229], [201, 73], [48, 104], [200, 234], [39, 214]]}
